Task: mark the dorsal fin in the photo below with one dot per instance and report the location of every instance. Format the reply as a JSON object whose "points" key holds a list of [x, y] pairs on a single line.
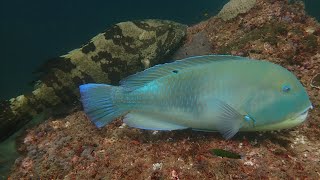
{"points": [[141, 78]]}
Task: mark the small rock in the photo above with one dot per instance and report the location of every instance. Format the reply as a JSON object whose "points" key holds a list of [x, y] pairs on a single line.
{"points": [[86, 153]]}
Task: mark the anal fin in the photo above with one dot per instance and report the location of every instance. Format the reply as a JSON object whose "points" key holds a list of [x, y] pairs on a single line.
{"points": [[150, 121]]}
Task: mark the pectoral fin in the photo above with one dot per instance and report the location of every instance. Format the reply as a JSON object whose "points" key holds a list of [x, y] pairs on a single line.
{"points": [[229, 120]]}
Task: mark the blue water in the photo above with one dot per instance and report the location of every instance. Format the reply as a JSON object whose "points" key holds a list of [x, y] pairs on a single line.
{"points": [[33, 31], [312, 7]]}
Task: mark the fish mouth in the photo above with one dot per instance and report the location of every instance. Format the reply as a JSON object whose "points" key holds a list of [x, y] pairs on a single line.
{"points": [[300, 117], [286, 124]]}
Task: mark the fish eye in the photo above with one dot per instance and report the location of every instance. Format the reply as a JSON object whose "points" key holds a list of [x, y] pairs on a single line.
{"points": [[286, 88]]}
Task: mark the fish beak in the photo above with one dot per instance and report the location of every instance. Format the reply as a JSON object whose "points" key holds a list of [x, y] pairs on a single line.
{"points": [[289, 123], [302, 116]]}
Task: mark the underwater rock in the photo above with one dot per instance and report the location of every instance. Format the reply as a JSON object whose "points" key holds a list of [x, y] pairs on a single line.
{"points": [[197, 45], [123, 49], [235, 7]]}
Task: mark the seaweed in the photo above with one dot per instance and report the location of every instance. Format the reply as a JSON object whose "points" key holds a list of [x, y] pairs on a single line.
{"points": [[224, 153]]}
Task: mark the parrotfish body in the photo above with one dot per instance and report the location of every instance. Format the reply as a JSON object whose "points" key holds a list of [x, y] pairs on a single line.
{"points": [[208, 93]]}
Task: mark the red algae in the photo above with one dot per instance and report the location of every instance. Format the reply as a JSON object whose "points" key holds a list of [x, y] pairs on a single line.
{"points": [[73, 148]]}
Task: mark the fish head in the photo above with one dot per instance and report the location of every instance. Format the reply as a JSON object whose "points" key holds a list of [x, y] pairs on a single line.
{"points": [[280, 102]]}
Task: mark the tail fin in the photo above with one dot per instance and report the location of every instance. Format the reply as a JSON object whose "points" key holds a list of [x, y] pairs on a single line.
{"points": [[98, 103]]}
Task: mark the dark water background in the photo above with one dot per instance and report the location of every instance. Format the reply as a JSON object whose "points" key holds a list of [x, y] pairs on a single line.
{"points": [[33, 31]]}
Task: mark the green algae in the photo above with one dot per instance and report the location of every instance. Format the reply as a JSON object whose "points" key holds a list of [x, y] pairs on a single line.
{"points": [[224, 153]]}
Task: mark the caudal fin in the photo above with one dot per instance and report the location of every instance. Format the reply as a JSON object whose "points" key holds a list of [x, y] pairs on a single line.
{"points": [[98, 103]]}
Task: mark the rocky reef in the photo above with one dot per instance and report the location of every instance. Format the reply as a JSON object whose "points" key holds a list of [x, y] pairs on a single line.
{"points": [[277, 31]]}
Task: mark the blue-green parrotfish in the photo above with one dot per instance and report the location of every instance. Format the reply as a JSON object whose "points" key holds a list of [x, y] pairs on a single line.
{"points": [[206, 93]]}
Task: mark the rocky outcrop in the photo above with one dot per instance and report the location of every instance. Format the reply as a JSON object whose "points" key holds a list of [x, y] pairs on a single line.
{"points": [[235, 7]]}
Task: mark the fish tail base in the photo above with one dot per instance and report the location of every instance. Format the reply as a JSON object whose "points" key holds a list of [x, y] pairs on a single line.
{"points": [[99, 103]]}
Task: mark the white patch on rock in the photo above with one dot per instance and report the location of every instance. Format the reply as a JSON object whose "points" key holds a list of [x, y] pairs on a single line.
{"points": [[146, 63], [157, 166], [123, 125], [248, 163], [300, 140]]}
